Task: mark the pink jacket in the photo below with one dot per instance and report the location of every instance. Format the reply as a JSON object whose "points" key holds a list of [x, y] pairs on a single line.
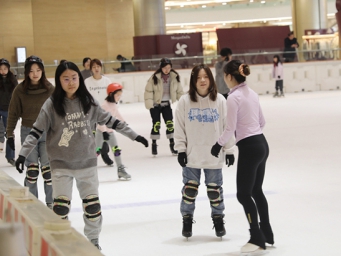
{"points": [[112, 108]]}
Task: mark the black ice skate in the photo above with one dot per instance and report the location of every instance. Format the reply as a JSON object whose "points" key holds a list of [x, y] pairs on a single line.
{"points": [[218, 225], [154, 149], [187, 221], [171, 146], [281, 95], [276, 95]]}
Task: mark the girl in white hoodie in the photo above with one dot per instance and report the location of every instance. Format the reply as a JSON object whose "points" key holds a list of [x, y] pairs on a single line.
{"points": [[200, 118]]}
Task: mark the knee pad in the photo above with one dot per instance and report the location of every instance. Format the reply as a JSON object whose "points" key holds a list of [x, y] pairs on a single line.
{"points": [[92, 207], [190, 191], [116, 150], [157, 127], [46, 172], [170, 126], [32, 173], [61, 206], [213, 193]]}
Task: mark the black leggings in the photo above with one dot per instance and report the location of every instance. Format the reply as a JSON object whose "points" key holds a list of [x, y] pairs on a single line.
{"points": [[253, 153]]}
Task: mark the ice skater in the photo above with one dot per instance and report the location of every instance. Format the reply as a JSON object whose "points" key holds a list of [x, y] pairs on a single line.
{"points": [[163, 86], [97, 85], [27, 99], [105, 134], [277, 74], [246, 120], [200, 118], [8, 82], [67, 118]]}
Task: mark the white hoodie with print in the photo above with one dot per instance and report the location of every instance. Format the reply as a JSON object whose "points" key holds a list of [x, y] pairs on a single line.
{"points": [[198, 126]]}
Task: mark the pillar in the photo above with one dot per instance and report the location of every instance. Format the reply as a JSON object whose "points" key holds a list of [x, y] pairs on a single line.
{"points": [[308, 14], [149, 17], [338, 19]]}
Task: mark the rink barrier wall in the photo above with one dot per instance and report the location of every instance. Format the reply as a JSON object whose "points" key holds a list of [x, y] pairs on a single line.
{"points": [[45, 233], [298, 77]]}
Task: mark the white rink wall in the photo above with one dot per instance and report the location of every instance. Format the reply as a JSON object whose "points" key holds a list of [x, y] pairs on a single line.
{"points": [[298, 77]]}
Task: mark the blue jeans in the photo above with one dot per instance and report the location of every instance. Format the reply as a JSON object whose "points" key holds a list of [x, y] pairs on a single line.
{"points": [[38, 155], [211, 176], [10, 154]]}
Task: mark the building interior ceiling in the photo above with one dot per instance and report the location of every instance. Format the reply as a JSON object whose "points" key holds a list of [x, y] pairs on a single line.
{"points": [[179, 5]]}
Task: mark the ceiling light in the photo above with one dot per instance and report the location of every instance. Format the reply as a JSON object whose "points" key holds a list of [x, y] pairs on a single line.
{"points": [[182, 5], [262, 2], [203, 6], [223, 3], [251, 1]]}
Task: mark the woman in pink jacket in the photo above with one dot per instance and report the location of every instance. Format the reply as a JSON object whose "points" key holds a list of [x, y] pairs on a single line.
{"points": [[277, 73], [245, 120]]}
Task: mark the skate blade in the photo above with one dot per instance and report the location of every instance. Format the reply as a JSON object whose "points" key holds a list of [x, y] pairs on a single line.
{"points": [[123, 179], [258, 252]]}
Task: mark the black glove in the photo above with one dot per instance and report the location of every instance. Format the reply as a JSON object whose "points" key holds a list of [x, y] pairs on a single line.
{"points": [[10, 142], [106, 136], [229, 160], [142, 140], [279, 76], [216, 149], [20, 161], [182, 159]]}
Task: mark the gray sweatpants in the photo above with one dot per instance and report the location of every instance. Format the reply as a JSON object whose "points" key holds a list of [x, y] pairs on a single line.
{"points": [[87, 184]]}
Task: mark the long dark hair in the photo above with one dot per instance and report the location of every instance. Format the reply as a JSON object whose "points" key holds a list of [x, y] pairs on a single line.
{"points": [[43, 82], [58, 96], [232, 68], [213, 91], [12, 79], [278, 60]]}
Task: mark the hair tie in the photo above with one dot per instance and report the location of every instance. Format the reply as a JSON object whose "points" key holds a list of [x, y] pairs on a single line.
{"points": [[240, 69]]}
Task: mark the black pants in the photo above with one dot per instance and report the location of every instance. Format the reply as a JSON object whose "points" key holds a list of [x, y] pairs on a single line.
{"points": [[279, 85], [167, 116], [253, 153]]}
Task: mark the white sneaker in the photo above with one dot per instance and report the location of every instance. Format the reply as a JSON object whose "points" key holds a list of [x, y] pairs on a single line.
{"points": [[251, 248]]}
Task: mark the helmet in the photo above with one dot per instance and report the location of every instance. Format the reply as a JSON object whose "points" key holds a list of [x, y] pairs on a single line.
{"points": [[114, 87], [4, 62], [33, 59], [164, 62]]}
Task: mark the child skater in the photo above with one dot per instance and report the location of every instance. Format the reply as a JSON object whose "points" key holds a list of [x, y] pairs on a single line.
{"points": [[97, 85], [27, 99], [7, 84], [245, 119], [103, 133], [164, 86], [67, 117], [277, 73], [200, 117]]}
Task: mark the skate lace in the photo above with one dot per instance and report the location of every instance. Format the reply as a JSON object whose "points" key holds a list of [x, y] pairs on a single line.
{"points": [[218, 223], [121, 169]]}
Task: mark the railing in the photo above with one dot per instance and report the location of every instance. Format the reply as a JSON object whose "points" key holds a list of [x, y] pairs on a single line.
{"points": [[187, 62]]}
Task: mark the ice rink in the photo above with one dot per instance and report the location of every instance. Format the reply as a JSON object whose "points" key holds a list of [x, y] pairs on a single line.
{"points": [[302, 185]]}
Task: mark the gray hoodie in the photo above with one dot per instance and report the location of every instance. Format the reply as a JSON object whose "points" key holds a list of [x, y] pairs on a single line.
{"points": [[219, 77], [70, 142]]}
